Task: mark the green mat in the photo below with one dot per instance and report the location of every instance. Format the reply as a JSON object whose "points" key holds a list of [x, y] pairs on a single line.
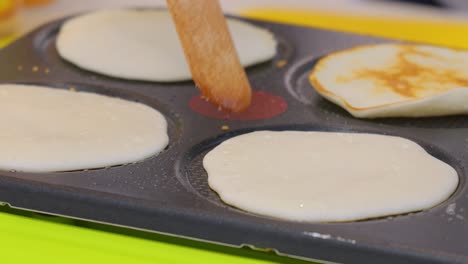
{"points": [[28, 237]]}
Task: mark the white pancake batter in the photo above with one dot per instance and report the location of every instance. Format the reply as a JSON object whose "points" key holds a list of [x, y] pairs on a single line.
{"points": [[46, 129], [143, 44], [326, 176]]}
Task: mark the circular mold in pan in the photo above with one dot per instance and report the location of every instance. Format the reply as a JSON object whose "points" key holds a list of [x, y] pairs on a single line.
{"points": [[194, 177], [174, 124], [298, 85], [45, 38]]}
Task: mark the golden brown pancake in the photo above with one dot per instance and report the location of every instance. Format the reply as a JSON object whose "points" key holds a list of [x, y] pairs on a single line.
{"points": [[395, 80]]}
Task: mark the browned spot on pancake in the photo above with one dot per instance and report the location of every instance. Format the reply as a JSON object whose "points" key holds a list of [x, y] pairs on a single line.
{"points": [[410, 79]]}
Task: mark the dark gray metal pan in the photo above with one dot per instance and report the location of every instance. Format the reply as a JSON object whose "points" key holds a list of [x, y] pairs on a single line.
{"points": [[169, 193]]}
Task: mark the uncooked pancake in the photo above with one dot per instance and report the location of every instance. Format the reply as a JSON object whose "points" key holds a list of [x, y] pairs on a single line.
{"points": [[395, 80], [143, 44], [46, 129], [326, 176]]}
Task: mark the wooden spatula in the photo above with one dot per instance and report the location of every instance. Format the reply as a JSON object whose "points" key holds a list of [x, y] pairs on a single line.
{"points": [[210, 53]]}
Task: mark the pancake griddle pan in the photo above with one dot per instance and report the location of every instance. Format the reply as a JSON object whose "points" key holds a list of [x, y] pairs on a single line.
{"points": [[169, 193]]}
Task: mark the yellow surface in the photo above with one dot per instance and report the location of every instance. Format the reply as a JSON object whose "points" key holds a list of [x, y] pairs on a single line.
{"points": [[6, 40], [435, 32], [6, 5]]}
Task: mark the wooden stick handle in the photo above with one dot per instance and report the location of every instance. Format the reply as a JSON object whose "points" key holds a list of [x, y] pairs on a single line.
{"points": [[210, 52]]}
